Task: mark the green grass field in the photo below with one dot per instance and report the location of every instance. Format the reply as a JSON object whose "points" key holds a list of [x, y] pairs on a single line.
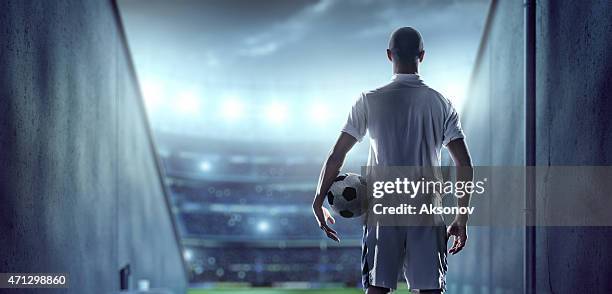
{"points": [[276, 291], [244, 288]]}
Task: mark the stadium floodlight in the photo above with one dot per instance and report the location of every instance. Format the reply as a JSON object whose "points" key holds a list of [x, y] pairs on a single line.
{"points": [[276, 112], [187, 102], [319, 112], [205, 166], [187, 254], [263, 226], [232, 109]]}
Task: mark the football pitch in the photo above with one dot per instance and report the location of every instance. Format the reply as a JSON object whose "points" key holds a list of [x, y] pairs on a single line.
{"points": [[276, 291]]}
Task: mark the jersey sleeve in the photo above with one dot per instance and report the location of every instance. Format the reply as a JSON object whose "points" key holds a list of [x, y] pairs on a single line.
{"points": [[452, 126], [356, 124]]}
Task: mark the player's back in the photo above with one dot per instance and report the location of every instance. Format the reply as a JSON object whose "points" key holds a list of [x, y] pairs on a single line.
{"points": [[407, 121]]}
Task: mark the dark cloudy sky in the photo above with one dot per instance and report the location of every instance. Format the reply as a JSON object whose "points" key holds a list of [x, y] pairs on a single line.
{"points": [[293, 50]]}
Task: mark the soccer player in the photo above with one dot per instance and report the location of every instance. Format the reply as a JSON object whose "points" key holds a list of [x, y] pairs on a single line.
{"points": [[408, 123]]}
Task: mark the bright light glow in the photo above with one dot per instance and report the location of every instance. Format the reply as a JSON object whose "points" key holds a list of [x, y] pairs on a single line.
{"points": [[232, 109], [152, 95], [263, 226], [276, 112], [187, 102], [205, 166], [187, 254], [455, 93], [319, 112]]}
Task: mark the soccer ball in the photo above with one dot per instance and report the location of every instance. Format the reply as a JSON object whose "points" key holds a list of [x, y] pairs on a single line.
{"points": [[347, 195]]}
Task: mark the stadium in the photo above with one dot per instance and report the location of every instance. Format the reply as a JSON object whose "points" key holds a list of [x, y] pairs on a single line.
{"points": [[241, 152], [244, 213], [167, 147]]}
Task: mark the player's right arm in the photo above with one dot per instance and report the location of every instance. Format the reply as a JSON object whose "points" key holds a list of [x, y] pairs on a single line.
{"points": [[331, 169]]}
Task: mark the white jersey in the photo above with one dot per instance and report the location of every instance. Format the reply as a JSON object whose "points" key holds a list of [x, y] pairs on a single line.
{"points": [[407, 121]]}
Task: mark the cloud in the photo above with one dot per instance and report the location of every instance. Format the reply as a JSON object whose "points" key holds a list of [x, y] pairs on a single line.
{"points": [[289, 31], [321, 7], [427, 17], [260, 49]]}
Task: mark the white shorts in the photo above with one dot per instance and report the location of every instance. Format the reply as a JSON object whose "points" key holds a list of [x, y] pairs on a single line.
{"points": [[419, 252]]}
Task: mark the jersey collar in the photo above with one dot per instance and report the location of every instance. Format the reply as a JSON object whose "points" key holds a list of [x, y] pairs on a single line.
{"points": [[409, 78]]}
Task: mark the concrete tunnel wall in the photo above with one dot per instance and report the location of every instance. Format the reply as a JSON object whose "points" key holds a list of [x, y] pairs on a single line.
{"points": [[574, 127], [493, 121], [79, 186], [573, 68]]}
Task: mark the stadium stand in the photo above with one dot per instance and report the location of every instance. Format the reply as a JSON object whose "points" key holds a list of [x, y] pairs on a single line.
{"points": [[244, 213]]}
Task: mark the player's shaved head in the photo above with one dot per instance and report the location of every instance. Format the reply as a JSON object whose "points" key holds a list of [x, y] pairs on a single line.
{"points": [[406, 44]]}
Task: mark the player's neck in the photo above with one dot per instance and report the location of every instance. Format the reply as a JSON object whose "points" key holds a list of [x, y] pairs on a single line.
{"points": [[405, 69]]}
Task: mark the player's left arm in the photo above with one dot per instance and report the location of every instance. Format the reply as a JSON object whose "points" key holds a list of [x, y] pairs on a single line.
{"points": [[465, 173], [329, 172]]}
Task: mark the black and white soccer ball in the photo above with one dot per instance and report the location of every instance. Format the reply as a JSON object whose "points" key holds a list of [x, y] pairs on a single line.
{"points": [[347, 195]]}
